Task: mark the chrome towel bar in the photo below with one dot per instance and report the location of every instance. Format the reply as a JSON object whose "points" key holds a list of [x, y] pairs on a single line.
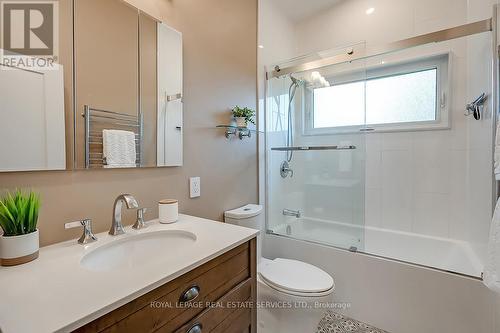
{"points": [[307, 148], [97, 120]]}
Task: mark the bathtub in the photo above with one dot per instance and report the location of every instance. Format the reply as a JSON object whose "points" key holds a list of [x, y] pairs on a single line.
{"points": [[398, 281], [434, 252]]}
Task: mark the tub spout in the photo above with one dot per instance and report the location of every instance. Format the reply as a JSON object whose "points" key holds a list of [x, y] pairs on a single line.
{"points": [[290, 212]]}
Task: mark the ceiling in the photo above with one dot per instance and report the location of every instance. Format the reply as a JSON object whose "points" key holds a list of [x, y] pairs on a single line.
{"points": [[298, 10]]}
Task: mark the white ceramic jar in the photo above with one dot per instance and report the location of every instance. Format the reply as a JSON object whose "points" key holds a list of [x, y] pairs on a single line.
{"points": [[168, 210]]}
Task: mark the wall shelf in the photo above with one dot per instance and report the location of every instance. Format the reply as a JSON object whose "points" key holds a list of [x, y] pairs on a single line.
{"points": [[240, 132]]}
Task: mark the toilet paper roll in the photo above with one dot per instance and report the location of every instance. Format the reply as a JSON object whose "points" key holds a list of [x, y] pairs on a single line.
{"points": [[168, 211]]}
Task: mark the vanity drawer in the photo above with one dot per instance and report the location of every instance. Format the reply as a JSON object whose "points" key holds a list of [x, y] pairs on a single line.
{"points": [[228, 274], [225, 312]]}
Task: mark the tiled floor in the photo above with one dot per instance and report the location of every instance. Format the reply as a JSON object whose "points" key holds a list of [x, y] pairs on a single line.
{"points": [[335, 323]]}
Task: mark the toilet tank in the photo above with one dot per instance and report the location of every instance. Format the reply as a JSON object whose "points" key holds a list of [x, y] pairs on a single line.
{"points": [[250, 216]]}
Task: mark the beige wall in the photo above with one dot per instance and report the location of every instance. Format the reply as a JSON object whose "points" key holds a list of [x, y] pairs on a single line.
{"points": [[220, 38]]}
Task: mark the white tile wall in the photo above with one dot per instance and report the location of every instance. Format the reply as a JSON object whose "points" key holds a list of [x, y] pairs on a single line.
{"points": [[433, 182], [397, 189], [479, 201], [431, 214], [373, 166], [432, 162], [458, 195], [373, 207]]}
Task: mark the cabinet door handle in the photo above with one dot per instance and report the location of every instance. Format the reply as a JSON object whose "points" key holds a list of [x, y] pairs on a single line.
{"points": [[190, 295], [195, 329]]}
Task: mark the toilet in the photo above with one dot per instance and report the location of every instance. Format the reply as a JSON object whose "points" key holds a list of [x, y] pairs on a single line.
{"points": [[292, 296]]}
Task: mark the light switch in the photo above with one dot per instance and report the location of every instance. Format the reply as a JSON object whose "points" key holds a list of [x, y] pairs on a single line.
{"points": [[194, 187]]}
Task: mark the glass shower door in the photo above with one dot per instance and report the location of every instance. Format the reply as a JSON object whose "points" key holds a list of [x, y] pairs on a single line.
{"points": [[315, 173]]}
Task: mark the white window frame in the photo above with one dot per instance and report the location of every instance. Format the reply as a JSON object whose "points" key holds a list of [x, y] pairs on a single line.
{"points": [[440, 62]]}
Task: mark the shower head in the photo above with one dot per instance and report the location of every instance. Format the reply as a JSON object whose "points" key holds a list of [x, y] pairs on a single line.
{"points": [[314, 80], [295, 80]]}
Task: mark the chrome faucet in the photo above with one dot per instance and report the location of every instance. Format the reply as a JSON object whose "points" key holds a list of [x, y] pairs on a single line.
{"points": [[139, 222], [117, 226], [289, 212]]}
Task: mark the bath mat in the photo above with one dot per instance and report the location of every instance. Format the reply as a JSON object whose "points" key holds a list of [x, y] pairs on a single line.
{"points": [[336, 323]]}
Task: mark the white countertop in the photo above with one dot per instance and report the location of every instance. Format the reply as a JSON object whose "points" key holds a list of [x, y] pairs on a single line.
{"points": [[56, 294]]}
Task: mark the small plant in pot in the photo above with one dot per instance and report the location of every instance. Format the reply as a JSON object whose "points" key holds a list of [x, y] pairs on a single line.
{"points": [[19, 243], [243, 116]]}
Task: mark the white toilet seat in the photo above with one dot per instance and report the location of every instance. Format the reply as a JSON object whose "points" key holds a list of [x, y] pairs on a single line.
{"points": [[292, 295], [295, 278]]}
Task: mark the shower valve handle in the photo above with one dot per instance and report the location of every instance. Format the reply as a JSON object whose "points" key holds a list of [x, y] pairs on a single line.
{"points": [[285, 170]]}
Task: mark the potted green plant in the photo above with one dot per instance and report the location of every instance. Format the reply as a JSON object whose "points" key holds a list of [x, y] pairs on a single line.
{"points": [[19, 243], [243, 116]]}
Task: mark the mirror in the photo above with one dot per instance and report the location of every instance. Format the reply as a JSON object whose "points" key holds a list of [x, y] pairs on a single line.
{"points": [[123, 89], [32, 123], [128, 88]]}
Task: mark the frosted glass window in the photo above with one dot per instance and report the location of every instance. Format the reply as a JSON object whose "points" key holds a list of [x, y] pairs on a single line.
{"points": [[339, 105], [401, 98]]}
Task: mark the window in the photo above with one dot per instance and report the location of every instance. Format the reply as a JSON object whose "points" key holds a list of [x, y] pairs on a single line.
{"points": [[408, 96], [339, 105]]}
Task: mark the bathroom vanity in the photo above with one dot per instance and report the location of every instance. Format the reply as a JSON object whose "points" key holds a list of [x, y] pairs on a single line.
{"points": [[193, 276], [207, 298]]}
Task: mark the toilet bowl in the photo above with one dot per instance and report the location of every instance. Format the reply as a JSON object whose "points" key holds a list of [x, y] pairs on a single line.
{"points": [[291, 295]]}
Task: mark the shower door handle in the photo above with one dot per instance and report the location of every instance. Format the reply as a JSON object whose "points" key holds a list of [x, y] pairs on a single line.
{"points": [[367, 129]]}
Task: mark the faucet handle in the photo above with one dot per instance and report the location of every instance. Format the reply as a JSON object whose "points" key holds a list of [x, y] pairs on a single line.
{"points": [[139, 223], [87, 236]]}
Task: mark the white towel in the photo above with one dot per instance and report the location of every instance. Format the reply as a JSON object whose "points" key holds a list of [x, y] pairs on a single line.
{"points": [[118, 148], [491, 275], [497, 152]]}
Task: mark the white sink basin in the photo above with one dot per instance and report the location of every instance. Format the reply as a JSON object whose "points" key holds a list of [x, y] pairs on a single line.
{"points": [[133, 251]]}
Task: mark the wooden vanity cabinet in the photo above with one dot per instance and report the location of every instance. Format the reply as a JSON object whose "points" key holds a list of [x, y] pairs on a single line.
{"points": [[218, 296]]}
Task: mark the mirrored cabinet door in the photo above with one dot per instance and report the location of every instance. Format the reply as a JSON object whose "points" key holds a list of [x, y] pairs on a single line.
{"points": [[170, 94], [128, 79], [106, 75], [32, 123], [123, 89], [148, 85]]}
